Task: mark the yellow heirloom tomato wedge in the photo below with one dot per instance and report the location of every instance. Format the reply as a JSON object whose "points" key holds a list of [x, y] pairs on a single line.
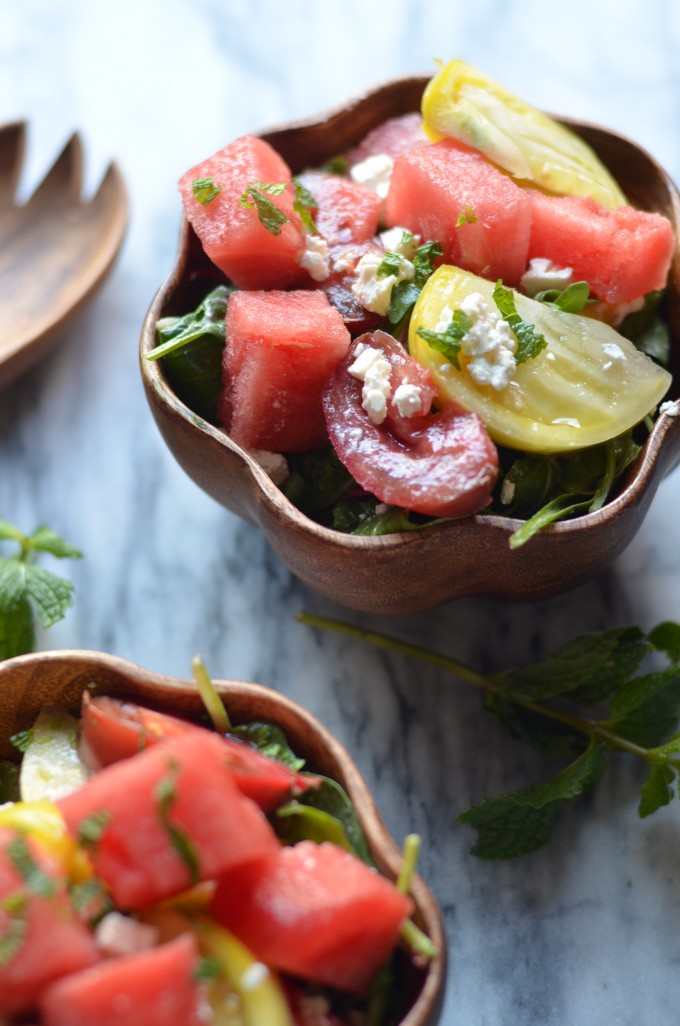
{"points": [[467, 105], [588, 385], [44, 823]]}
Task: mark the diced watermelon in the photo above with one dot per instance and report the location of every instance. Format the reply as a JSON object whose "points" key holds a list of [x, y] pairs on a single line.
{"points": [[112, 730], [166, 818], [451, 194], [152, 988], [393, 137], [280, 349], [232, 235], [316, 912], [622, 253], [49, 940], [346, 212]]}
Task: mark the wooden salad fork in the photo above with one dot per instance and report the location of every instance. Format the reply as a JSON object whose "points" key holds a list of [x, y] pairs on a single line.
{"points": [[55, 249]]}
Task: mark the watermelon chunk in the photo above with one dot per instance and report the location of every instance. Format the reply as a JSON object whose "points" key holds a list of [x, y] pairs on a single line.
{"points": [[112, 730], [622, 253], [281, 347], [346, 212], [166, 818], [316, 912], [451, 194], [50, 941], [232, 235], [152, 988], [393, 137]]}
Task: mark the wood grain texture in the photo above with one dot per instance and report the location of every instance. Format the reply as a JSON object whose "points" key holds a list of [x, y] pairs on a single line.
{"points": [[28, 683], [408, 573], [55, 250]]}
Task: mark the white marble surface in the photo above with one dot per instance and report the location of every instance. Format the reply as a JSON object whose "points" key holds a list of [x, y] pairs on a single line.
{"points": [[579, 934]]}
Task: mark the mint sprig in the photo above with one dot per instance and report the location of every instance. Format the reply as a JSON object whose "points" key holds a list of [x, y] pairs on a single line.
{"points": [[529, 341], [257, 196], [557, 706], [27, 590], [448, 342]]}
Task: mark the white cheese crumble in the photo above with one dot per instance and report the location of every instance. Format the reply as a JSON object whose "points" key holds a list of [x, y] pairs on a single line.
{"points": [[347, 260], [401, 241], [254, 976], [373, 290], [543, 274], [315, 258], [507, 491], [371, 367], [273, 464], [408, 399], [671, 408], [117, 934], [374, 172], [489, 343]]}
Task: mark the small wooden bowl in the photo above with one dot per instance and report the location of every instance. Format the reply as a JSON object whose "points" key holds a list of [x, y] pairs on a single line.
{"points": [[27, 683], [406, 573]]}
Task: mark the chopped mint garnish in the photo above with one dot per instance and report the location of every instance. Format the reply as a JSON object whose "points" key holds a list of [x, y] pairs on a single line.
{"points": [[466, 216], [449, 342], [529, 341], [205, 190], [570, 300], [303, 205], [389, 265], [257, 196]]}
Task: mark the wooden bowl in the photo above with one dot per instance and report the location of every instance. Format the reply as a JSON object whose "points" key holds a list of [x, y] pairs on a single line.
{"points": [[406, 573], [27, 683]]}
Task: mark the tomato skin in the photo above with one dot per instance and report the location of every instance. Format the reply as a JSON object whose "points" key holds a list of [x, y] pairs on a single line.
{"points": [[439, 464], [112, 730]]}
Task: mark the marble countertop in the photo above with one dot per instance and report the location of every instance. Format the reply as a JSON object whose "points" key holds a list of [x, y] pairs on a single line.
{"points": [[580, 933]]}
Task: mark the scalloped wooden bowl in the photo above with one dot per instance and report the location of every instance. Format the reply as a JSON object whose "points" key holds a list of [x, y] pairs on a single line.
{"points": [[406, 573], [30, 682]]}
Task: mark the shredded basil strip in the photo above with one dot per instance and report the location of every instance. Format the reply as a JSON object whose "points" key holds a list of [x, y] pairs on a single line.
{"points": [[166, 795], [22, 859]]}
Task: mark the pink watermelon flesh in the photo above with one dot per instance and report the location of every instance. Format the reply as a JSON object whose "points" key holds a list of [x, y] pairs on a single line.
{"points": [[437, 190], [316, 912], [137, 854], [347, 212], [622, 253], [153, 988], [393, 137], [54, 943], [232, 235], [281, 348]]}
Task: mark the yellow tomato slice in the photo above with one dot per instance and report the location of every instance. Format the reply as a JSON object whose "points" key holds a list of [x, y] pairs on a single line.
{"points": [[588, 385], [467, 105], [42, 821]]}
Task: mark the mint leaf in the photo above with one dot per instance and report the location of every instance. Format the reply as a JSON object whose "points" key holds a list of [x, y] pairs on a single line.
{"points": [[657, 790], [303, 205], [530, 342], [466, 216], [665, 637], [389, 265], [204, 190], [521, 822], [569, 300], [269, 214], [25, 587], [649, 724], [581, 664], [405, 293], [449, 342], [641, 690]]}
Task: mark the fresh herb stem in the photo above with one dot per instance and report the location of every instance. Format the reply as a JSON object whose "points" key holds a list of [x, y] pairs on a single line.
{"points": [[590, 728]]}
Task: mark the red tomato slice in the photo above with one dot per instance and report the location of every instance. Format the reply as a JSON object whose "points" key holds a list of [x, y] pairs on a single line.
{"points": [[440, 464], [112, 730]]}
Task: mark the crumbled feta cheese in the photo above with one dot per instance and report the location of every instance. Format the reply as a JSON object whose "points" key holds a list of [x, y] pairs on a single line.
{"points": [[489, 343], [408, 399], [117, 934], [507, 492], [543, 274], [401, 241], [254, 976], [671, 408], [373, 290], [273, 464], [371, 367], [315, 258], [374, 172], [347, 260]]}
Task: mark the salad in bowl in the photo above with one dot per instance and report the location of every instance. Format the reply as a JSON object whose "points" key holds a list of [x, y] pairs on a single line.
{"points": [[436, 314], [159, 864]]}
